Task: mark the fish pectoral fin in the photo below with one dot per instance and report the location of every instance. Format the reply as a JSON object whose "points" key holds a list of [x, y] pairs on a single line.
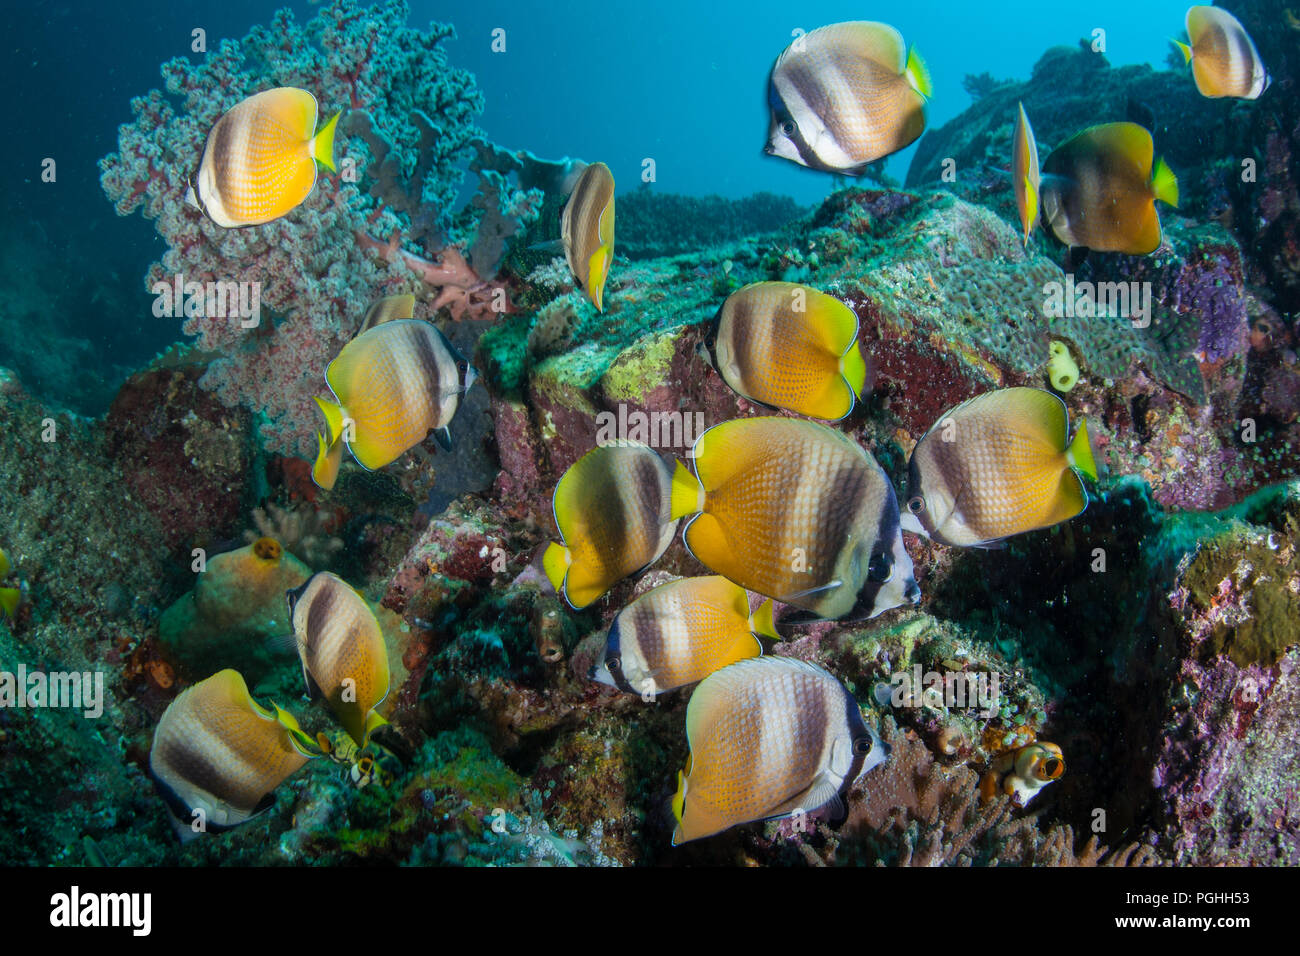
{"points": [[798, 617], [809, 592], [374, 720], [911, 523], [285, 643], [313, 689], [823, 791]]}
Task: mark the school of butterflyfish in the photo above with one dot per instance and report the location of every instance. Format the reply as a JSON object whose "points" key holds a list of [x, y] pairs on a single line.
{"points": [[787, 508]]}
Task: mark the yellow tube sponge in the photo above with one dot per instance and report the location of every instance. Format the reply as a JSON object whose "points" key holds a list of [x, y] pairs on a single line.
{"points": [[1062, 370]]}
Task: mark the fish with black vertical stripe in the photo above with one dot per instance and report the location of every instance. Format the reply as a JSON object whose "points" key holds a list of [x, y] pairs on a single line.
{"points": [[612, 511], [1225, 62], [394, 384], [798, 512], [587, 231], [218, 755], [846, 95], [770, 737], [680, 633], [343, 653], [789, 346]]}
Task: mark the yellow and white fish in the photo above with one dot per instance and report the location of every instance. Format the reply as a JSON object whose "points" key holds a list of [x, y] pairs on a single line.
{"points": [[394, 384], [218, 755], [612, 511], [846, 95], [1224, 59], [1025, 174], [769, 737], [260, 159], [798, 512], [997, 465], [1099, 188], [680, 633], [341, 646], [789, 346], [587, 230]]}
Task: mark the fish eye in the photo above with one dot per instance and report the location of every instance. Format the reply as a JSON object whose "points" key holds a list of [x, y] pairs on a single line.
{"points": [[788, 127], [880, 568], [862, 746], [916, 505]]}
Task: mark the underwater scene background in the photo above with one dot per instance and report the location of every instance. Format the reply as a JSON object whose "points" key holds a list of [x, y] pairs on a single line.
{"points": [[355, 502]]}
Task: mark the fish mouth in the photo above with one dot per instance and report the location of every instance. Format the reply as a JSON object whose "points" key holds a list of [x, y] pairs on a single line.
{"points": [[769, 150], [912, 592]]}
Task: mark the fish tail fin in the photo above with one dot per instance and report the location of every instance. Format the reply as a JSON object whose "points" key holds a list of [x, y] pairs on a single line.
{"points": [[679, 800], [597, 269], [10, 598], [1079, 454], [1187, 50], [1031, 208], [373, 722], [854, 369], [325, 471], [761, 621], [1164, 183], [555, 562], [333, 413], [687, 493], [305, 744], [322, 144], [918, 74]]}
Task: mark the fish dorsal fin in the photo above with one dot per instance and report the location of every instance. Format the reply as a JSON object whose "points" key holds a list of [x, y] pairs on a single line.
{"points": [[387, 309], [878, 42]]}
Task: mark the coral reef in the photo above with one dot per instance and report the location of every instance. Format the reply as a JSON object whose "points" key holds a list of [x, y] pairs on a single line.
{"points": [[1177, 592], [317, 269]]}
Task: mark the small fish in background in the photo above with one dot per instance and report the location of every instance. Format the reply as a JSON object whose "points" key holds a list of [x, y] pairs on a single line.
{"points": [[612, 511], [1224, 59], [1021, 773], [1099, 188], [587, 230], [341, 646], [769, 737], [997, 465], [789, 346], [393, 384], [218, 755], [680, 633], [1025, 174], [846, 95], [798, 512], [10, 598], [260, 159]]}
